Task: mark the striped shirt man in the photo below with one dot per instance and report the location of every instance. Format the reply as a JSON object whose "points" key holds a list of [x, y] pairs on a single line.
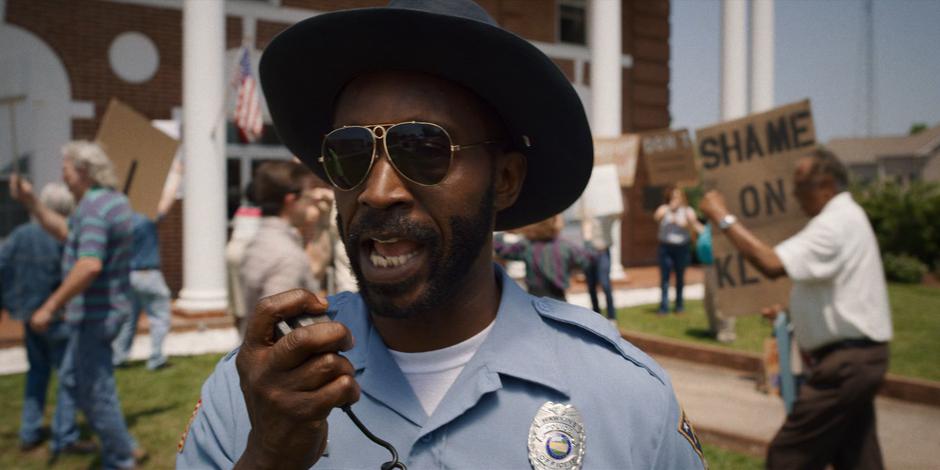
{"points": [[101, 228], [548, 263]]}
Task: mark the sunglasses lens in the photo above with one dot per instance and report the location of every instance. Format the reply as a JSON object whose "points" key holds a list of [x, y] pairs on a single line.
{"points": [[347, 155], [420, 151]]}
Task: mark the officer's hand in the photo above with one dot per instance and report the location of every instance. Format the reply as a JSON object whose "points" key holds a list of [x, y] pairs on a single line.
{"points": [[291, 385], [713, 206]]}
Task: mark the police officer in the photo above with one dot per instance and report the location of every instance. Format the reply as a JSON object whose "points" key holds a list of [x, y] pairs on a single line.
{"points": [[436, 127]]}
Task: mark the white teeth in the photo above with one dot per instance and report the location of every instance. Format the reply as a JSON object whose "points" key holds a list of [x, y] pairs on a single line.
{"points": [[390, 240], [390, 261]]}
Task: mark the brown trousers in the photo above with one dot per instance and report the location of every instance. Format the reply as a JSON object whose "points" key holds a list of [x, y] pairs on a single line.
{"points": [[833, 420]]}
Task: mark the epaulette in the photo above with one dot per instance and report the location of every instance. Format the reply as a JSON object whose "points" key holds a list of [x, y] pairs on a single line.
{"points": [[598, 326]]}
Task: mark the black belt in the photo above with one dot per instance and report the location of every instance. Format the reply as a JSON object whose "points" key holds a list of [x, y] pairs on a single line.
{"points": [[821, 352]]}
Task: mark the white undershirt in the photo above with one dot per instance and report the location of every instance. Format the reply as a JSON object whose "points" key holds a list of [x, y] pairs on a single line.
{"points": [[431, 373]]}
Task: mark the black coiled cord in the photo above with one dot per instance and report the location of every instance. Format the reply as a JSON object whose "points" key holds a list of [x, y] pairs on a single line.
{"points": [[394, 463]]}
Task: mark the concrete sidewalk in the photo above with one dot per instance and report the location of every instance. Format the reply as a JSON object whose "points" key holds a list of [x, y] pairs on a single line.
{"points": [[196, 339], [726, 409]]}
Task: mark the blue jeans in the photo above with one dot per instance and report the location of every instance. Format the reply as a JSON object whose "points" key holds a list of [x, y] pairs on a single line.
{"points": [[44, 351], [599, 271], [87, 372], [150, 294], [677, 258]]}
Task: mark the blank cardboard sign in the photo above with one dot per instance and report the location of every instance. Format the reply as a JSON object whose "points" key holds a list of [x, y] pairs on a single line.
{"points": [[750, 161], [141, 154]]}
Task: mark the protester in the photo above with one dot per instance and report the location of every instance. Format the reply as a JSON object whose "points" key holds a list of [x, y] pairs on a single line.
{"points": [[548, 257], [720, 327], [318, 243], [598, 232], [149, 293], [676, 222], [94, 291], [245, 225], [437, 127], [30, 271], [840, 315], [274, 259]]}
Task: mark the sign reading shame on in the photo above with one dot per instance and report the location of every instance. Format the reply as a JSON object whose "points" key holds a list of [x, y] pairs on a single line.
{"points": [[669, 157], [750, 161]]}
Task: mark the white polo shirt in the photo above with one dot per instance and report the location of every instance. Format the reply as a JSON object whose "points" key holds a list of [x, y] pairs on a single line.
{"points": [[839, 289]]}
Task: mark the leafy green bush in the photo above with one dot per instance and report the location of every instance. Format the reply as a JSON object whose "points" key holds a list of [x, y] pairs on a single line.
{"points": [[906, 219], [903, 268]]}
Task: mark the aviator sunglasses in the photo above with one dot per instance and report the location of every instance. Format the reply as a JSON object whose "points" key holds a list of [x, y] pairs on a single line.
{"points": [[421, 152]]}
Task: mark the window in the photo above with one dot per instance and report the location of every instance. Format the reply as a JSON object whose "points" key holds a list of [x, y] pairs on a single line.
{"points": [[572, 21], [13, 158]]}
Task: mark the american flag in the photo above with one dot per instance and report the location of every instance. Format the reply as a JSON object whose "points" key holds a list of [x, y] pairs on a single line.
{"points": [[248, 117]]}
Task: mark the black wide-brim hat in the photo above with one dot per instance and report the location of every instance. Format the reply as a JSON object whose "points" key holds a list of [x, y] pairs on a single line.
{"points": [[304, 69]]}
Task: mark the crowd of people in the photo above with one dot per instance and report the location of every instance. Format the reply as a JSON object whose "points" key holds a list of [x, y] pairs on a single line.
{"points": [[406, 168]]}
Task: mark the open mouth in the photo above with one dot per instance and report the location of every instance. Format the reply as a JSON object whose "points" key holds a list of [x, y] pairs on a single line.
{"points": [[391, 259], [392, 252]]}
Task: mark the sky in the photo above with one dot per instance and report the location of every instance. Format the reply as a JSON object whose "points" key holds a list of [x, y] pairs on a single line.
{"points": [[819, 55]]}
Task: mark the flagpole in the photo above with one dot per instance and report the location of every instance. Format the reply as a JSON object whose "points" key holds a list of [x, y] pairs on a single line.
{"points": [[231, 86]]}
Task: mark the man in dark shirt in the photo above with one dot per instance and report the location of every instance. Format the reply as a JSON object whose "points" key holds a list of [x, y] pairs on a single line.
{"points": [[150, 293], [30, 271]]}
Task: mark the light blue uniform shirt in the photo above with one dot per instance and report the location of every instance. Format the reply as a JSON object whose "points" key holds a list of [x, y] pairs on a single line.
{"points": [[539, 350]]}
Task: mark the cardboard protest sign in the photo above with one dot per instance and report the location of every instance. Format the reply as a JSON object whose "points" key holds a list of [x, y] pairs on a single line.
{"points": [[750, 161], [615, 161], [602, 195], [622, 152], [669, 157], [141, 154]]}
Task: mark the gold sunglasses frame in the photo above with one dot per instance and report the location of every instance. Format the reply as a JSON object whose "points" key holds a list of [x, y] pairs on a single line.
{"points": [[376, 136]]}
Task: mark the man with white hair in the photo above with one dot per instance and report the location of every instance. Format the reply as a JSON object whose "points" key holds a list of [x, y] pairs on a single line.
{"points": [[29, 272], [94, 293]]}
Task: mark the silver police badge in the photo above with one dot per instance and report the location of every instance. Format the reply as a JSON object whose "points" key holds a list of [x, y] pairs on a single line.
{"points": [[556, 438]]}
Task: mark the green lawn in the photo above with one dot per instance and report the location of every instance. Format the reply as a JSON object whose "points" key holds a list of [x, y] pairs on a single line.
{"points": [[158, 405], [721, 459], [915, 311]]}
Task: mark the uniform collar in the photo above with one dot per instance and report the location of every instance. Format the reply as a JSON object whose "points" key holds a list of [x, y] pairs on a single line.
{"points": [[516, 347]]}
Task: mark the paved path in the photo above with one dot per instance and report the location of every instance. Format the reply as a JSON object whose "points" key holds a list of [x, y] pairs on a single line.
{"points": [[722, 400]]}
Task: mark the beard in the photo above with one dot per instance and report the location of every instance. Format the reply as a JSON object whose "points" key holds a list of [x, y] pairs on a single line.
{"points": [[448, 265]]}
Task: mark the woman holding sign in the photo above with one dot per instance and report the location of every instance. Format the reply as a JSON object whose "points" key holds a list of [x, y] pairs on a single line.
{"points": [[676, 222]]}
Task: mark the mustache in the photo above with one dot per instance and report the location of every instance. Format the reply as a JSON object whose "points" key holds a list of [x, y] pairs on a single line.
{"points": [[378, 223]]}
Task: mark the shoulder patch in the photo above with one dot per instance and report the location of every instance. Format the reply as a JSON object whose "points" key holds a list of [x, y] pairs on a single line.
{"points": [[688, 432], [192, 417], [594, 323]]}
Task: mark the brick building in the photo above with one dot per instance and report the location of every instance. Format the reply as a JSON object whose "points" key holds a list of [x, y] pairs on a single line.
{"points": [[61, 61]]}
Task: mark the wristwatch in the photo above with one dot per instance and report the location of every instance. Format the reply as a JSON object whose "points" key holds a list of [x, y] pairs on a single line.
{"points": [[727, 221]]}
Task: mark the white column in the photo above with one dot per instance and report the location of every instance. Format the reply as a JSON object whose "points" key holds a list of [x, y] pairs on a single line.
{"points": [[762, 55], [204, 156], [604, 41], [733, 59], [606, 103]]}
